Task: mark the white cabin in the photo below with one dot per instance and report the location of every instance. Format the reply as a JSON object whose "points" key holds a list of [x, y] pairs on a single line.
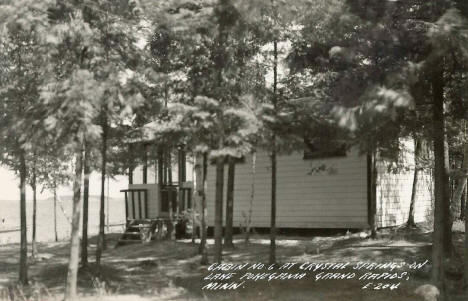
{"points": [[323, 192]]}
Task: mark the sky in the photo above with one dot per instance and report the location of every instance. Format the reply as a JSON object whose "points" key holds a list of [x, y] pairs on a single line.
{"points": [[9, 187]]}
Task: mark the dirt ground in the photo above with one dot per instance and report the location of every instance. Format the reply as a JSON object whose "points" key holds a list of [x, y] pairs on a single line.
{"points": [[170, 270]]}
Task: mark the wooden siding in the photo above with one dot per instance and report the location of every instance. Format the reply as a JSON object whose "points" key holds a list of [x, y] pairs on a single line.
{"points": [[394, 190], [334, 198]]}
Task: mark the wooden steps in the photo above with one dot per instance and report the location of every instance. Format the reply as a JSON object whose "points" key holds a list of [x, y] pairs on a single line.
{"points": [[143, 230]]}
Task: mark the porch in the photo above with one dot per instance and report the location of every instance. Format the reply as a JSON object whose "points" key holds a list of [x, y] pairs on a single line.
{"points": [[153, 201]]}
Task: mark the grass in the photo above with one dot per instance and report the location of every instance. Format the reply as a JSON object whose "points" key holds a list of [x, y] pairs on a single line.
{"points": [[170, 270]]}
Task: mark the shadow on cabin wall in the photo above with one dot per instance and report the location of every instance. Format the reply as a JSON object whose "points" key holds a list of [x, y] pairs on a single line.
{"points": [[303, 232]]}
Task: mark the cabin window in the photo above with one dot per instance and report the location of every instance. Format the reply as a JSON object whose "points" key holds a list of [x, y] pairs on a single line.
{"points": [[240, 160], [324, 142], [317, 150]]}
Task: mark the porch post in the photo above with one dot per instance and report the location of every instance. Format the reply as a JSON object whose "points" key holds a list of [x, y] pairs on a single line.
{"points": [[181, 176], [169, 166], [160, 176], [183, 161], [160, 167]]}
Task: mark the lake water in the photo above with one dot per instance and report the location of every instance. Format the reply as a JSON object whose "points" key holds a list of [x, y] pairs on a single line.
{"points": [[10, 212]]}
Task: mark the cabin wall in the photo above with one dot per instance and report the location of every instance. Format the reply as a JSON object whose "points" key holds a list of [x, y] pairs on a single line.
{"points": [[332, 198], [394, 187]]}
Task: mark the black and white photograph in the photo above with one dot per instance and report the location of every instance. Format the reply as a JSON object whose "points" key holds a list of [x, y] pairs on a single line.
{"points": [[218, 150]]}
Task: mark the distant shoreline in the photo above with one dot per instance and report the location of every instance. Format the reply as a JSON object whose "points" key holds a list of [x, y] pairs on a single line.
{"points": [[64, 197]]}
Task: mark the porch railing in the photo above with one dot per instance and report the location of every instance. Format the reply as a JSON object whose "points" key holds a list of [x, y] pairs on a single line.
{"points": [[142, 199]]}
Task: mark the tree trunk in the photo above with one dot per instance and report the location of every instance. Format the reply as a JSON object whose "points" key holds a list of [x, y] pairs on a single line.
{"points": [[272, 258], [131, 164], [181, 179], [160, 164], [34, 216], [84, 235], [465, 274], [461, 182], [23, 268], [72, 276], [102, 214], [417, 153], [441, 181], [171, 226], [197, 196], [194, 227], [252, 197], [203, 249], [107, 206], [161, 176], [463, 202], [448, 216], [228, 234], [145, 164], [220, 63], [55, 212], [218, 223], [372, 162]]}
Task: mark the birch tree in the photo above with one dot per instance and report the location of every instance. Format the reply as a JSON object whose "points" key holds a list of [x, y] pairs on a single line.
{"points": [[22, 35], [72, 96]]}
